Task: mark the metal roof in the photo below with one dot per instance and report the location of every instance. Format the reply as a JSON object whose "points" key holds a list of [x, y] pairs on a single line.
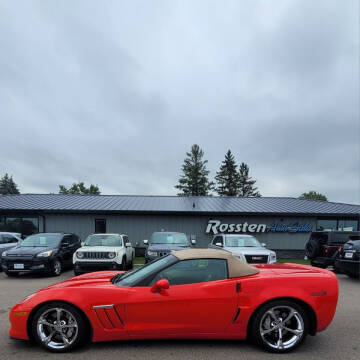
{"points": [[172, 204]]}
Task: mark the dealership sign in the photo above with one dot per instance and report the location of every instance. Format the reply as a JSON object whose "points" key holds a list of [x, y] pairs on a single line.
{"points": [[216, 227]]}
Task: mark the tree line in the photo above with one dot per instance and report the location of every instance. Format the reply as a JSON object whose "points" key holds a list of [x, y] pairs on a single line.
{"points": [[230, 180]]}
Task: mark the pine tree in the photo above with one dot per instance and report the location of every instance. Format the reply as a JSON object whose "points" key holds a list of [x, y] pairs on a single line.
{"points": [[8, 186], [80, 189], [194, 181], [247, 187], [227, 178]]}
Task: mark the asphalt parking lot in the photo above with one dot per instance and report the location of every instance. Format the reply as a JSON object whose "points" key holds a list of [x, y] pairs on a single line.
{"points": [[339, 341]]}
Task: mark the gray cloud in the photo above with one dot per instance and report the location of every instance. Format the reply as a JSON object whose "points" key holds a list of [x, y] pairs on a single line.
{"points": [[116, 93]]}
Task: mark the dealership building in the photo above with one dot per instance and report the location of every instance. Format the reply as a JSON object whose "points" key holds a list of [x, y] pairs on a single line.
{"points": [[283, 224]]}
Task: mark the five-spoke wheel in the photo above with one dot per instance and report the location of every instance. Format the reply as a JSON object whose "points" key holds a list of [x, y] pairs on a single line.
{"points": [[280, 326], [58, 327]]}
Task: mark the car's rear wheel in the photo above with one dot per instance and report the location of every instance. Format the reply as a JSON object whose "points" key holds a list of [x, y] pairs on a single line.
{"points": [[280, 326], [58, 327]]}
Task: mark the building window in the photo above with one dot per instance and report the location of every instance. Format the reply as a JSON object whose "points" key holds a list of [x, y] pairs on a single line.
{"points": [[341, 225], [348, 225], [100, 226], [30, 226], [23, 225]]}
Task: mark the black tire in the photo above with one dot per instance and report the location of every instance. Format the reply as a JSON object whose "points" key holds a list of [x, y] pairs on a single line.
{"points": [[56, 267], [123, 264], [76, 273], [131, 264], [268, 338], [40, 332], [11, 274], [312, 249]]}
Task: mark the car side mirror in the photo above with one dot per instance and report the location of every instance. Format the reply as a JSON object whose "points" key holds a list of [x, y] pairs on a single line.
{"points": [[161, 284], [219, 244], [146, 242], [65, 244], [263, 244], [128, 244], [193, 242]]}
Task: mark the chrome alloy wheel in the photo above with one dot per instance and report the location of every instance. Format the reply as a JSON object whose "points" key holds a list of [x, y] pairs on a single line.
{"points": [[57, 267], [57, 328], [281, 327]]}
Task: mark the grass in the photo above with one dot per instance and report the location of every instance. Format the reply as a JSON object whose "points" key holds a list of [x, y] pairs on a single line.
{"points": [[296, 261], [141, 261]]}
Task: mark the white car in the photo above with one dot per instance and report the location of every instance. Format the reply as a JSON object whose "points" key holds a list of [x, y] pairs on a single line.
{"points": [[104, 252], [246, 247]]}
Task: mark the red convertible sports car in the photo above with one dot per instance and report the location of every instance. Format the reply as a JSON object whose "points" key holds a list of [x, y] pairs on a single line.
{"points": [[202, 294]]}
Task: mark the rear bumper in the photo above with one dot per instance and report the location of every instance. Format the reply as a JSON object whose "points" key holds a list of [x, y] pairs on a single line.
{"points": [[351, 266], [323, 261]]}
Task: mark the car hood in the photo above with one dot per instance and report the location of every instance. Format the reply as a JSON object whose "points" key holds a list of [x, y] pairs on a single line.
{"points": [[97, 278], [167, 247], [28, 250], [99, 248], [249, 250]]}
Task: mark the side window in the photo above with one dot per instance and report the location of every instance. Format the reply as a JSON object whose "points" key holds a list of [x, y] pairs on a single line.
{"points": [[74, 240], [7, 239], [218, 239], [193, 271], [1, 239]]}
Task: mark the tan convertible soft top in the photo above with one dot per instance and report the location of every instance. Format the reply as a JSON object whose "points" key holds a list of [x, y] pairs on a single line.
{"points": [[236, 267]]}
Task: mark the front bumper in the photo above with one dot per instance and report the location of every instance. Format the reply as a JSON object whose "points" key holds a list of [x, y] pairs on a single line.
{"points": [[89, 266], [348, 266], [18, 318], [27, 265]]}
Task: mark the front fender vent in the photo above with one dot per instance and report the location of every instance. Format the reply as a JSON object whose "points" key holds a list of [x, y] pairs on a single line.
{"points": [[108, 316]]}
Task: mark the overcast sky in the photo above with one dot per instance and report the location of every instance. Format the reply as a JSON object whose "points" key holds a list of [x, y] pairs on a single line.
{"points": [[115, 93]]}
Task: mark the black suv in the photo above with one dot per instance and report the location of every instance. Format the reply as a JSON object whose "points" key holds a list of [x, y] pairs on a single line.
{"points": [[348, 259], [323, 246], [43, 252]]}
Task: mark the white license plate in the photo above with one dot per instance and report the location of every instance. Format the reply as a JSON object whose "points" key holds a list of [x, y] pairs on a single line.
{"points": [[18, 266], [348, 255]]}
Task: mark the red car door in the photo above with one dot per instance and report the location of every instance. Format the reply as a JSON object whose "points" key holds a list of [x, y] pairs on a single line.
{"points": [[190, 308]]}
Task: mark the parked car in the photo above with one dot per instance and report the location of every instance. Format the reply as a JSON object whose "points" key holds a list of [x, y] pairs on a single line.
{"points": [[197, 293], [246, 247], [348, 258], [43, 252], [8, 240], [323, 246], [162, 242], [104, 252]]}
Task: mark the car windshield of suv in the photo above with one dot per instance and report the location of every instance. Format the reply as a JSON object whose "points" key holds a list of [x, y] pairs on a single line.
{"points": [[169, 238], [41, 240], [103, 240], [132, 277], [241, 241]]}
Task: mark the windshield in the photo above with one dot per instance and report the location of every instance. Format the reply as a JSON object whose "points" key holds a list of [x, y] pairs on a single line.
{"points": [[132, 277], [241, 241], [103, 240], [169, 238], [41, 240]]}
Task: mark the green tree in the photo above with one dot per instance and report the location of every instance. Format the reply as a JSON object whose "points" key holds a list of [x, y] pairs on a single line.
{"points": [[313, 195], [227, 178], [247, 185], [194, 181], [8, 186], [80, 189]]}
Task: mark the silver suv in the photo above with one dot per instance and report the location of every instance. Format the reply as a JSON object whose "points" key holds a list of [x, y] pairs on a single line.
{"points": [[246, 247]]}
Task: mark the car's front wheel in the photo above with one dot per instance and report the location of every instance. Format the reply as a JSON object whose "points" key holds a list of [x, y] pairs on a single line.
{"points": [[280, 326], [56, 267], [58, 327]]}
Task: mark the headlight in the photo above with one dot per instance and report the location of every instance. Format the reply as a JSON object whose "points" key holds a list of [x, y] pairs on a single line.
{"points": [[45, 254], [152, 253], [273, 257], [111, 255], [4, 253], [79, 255]]}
